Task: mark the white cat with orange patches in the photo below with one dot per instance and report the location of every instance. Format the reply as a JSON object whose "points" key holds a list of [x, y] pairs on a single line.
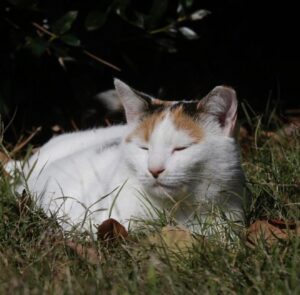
{"points": [[180, 155]]}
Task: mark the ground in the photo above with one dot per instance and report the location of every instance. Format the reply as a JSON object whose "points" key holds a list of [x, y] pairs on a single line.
{"points": [[37, 258]]}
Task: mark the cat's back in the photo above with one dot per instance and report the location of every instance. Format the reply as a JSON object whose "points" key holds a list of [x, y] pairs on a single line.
{"points": [[66, 145], [75, 160]]}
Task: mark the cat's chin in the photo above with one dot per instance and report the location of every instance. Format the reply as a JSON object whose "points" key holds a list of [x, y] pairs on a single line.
{"points": [[163, 186], [161, 190]]}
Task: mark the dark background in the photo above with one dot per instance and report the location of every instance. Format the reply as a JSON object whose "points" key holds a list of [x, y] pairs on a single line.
{"points": [[248, 45]]}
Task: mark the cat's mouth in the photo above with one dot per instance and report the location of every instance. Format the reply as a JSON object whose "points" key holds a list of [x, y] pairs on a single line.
{"points": [[163, 185]]}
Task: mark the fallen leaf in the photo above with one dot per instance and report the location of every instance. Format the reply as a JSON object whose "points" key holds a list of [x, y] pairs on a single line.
{"points": [[271, 232], [111, 230], [175, 238]]}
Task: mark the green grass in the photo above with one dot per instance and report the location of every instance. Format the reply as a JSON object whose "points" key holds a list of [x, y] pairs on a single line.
{"points": [[34, 257]]}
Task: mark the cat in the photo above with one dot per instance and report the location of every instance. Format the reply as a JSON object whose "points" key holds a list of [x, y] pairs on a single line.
{"points": [[181, 156]]}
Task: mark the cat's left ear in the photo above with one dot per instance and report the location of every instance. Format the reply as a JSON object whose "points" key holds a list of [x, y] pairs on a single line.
{"points": [[222, 102], [134, 104]]}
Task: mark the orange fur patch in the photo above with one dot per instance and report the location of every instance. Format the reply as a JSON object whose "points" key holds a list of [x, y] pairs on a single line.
{"points": [[180, 119], [146, 127], [185, 122]]}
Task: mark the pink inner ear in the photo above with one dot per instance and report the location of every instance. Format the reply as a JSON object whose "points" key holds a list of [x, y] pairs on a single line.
{"points": [[133, 104], [229, 128], [230, 117], [222, 102]]}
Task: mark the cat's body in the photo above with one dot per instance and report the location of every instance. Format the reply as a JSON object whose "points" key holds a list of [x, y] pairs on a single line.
{"points": [[181, 156]]}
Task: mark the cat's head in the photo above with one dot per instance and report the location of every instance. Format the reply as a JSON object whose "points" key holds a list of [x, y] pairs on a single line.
{"points": [[174, 145]]}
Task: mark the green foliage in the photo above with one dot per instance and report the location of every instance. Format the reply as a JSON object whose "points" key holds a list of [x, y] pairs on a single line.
{"points": [[37, 45], [64, 23], [71, 40], [86, 34], [154, 15], [95, 20]]}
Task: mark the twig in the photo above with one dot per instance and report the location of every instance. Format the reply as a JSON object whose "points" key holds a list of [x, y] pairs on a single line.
{"points": [[91, 55], [10, 121], [41, 28], [101, 60], [24, 142], [15, 26], [107, 122], [73, 124], [169, 26]]}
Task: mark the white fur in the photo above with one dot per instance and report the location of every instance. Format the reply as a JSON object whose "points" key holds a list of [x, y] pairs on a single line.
{"points": [[72, 173]]}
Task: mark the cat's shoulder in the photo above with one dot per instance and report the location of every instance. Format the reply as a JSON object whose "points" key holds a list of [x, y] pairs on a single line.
{"points": [[68, 144], [87, 137]]}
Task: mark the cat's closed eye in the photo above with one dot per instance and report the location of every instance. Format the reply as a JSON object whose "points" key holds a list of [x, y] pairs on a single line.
{"points": [[178, 149], [144, 148]]}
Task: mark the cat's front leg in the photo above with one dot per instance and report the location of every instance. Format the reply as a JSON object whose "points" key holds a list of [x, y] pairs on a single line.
{"points": [[224, 225]]}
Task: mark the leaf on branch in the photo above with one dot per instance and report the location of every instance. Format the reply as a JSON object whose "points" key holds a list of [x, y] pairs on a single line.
{"points": [[188, 33], [95, 20], [37, 45], [188, 3], [156, 14], [71, 40], [64, 24], [199, 14]]}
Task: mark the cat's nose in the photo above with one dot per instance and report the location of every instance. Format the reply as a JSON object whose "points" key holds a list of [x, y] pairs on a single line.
{"points": [[156, 171]]}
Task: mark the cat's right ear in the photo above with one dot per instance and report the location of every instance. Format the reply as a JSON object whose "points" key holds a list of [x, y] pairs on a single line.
{"points": [[135, 105], [222, 103]]}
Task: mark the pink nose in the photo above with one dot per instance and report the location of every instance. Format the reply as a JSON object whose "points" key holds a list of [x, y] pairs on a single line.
{"points": [[156, 171]]}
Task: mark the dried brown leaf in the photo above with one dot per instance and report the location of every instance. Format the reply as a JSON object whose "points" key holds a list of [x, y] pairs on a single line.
{"points": [[271, 232], [175, 238], [111, 230]]}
